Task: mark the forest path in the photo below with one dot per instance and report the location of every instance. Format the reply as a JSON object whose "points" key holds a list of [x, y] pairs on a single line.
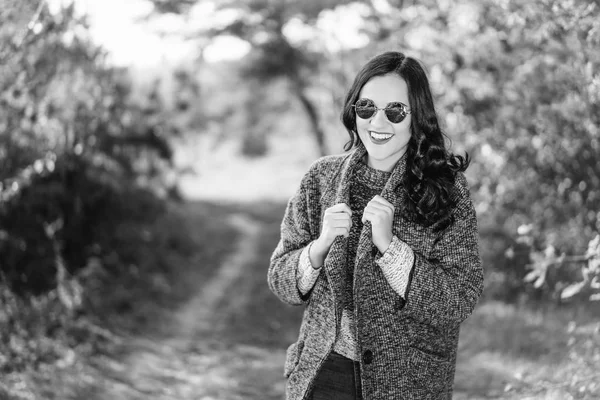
{"points": [[204, 354]]}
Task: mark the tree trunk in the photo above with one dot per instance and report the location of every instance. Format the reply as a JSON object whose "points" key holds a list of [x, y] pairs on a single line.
{"points": [[313, 116]]}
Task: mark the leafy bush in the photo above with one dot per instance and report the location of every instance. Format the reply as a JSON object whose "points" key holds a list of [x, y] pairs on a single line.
{"points": [[539, 126], [80, 160]]}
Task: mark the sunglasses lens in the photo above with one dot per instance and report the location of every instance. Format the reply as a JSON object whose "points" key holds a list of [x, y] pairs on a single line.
{"points": [[365, 108], [395, 113]]}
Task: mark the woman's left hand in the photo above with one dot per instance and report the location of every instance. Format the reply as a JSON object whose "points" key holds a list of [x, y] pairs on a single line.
{"points": [[380, 213]]}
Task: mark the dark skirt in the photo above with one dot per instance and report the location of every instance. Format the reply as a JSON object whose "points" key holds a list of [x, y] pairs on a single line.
{"points": [[338, 379]]}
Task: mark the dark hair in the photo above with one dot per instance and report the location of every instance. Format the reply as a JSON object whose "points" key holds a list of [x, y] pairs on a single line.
{"points": [[430, 168]]}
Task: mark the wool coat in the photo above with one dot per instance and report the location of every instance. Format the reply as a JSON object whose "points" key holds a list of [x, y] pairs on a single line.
{"points": [[407, 343]]}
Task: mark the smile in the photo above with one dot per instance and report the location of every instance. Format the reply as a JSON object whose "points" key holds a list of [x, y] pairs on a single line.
{"points": [[380, 138]]}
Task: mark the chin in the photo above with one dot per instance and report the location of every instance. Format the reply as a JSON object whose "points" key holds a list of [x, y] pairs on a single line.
{"points": [[379, 153]]}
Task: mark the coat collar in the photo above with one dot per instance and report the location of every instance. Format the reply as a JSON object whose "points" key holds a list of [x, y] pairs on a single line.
{"points": [[342, 186], [339, 188]]}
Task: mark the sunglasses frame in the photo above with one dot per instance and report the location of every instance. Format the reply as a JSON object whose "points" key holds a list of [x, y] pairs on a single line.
{"points": [[403, 106]]}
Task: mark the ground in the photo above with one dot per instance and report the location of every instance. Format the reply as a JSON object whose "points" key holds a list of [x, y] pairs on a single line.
{"points": [[226, 339]]}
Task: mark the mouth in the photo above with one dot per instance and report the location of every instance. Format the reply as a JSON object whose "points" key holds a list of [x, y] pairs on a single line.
{"points": [[380, 138]]}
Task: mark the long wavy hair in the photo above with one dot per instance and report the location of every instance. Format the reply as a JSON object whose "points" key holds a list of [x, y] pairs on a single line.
{"points": [[431, 169]]}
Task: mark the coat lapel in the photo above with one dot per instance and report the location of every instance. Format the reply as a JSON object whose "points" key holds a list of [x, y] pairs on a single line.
{"points": [[338, 191], [392, 187]]}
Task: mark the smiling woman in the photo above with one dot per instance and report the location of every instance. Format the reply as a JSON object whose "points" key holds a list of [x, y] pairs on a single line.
{"points": [[381, 246]]}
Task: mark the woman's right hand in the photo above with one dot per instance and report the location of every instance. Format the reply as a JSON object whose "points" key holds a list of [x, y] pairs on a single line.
{"points": [[337, 221]]}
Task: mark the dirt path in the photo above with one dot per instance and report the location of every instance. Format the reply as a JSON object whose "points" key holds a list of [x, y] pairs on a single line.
{"points": [[198, 361]]}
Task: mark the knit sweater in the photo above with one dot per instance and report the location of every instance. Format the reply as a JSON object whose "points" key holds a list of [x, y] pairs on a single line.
{"points": [[407, 343], [366, 183]]}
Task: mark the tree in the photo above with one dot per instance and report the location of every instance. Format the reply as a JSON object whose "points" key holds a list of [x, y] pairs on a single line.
{"points": [[273, 57]]}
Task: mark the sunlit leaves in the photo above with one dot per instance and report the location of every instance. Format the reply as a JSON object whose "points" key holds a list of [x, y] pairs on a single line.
{"points": [[548, 262], [39, 168]]}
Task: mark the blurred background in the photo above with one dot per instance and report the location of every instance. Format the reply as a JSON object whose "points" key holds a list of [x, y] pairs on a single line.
{"points": [[148, 148]]}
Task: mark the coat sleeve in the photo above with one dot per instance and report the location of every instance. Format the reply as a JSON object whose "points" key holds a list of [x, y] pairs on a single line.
{"points": [[295, 236], [444, 288]]}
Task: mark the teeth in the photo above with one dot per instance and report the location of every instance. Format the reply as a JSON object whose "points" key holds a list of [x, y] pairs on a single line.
{"points": [[380, 136]]}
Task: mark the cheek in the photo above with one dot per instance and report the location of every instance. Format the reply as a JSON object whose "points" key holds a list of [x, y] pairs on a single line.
{"points": [[362, 125], [403, 129]]}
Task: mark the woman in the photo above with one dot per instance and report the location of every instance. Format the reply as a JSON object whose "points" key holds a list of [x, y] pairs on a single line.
{"points": [[380, 245]]}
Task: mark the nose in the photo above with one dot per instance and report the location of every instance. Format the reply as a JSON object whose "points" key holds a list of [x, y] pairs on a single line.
{"points": [[379, 119]]}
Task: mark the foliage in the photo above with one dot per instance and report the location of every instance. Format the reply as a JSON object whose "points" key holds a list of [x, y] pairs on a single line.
{"points": [[79, 160], [82, 175], [546, 127], [517, 83], [273, 56], [555, 272]]}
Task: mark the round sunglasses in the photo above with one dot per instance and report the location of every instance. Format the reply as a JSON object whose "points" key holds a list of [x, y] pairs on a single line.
{"points": [[394, 111]]}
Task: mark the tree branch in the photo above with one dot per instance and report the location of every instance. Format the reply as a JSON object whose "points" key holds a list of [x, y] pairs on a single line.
{"points": [[31, 24]]}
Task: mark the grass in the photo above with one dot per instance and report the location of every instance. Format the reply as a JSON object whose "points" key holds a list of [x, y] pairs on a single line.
{"points": [[516, 352]]}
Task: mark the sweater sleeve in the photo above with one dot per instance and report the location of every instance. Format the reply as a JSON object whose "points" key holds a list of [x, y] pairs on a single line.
{"points": [[282, 275], [306, 275], [444, 288], [396, 264]]}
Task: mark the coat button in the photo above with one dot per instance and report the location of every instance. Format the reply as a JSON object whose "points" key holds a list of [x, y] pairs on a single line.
{"points": [[368, 357]]}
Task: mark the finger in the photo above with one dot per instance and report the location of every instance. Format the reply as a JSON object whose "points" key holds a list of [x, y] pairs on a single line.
{"points": [[372, 217], [340, 207], [374, 206], [340, 215], [370, 214], [367, 216], [381, 200], [334, 220], [341, 223]]}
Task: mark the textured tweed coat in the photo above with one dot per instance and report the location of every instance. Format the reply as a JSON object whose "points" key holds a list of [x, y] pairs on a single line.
{"points": [[408, 345]]}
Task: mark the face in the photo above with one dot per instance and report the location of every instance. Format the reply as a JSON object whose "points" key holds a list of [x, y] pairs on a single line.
{"points": [[385, 141]]}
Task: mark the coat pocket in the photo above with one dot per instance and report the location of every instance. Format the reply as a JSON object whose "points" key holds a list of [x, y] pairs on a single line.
{"points": [[292, 357], [429, 371]]}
